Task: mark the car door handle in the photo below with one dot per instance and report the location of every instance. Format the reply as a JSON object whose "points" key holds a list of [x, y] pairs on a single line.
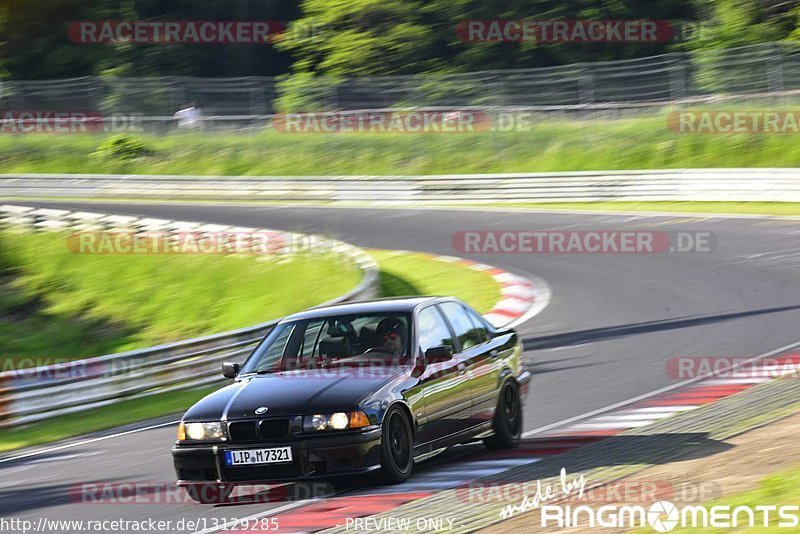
{"points": [[462, 368], [493, 353]]}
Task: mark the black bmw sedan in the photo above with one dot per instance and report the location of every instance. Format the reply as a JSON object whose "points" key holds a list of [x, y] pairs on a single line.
{"points": [[355, 388]]}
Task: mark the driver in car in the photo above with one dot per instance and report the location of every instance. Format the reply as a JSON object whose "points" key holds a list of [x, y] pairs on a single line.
{"points": [[391, 333]]}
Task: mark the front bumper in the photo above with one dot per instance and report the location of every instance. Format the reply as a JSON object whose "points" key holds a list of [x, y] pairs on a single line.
{"points": [[312, 457]]}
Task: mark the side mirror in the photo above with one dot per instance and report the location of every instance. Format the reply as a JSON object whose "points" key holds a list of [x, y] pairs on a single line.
{"points": [[230, 369], [438, 354]]}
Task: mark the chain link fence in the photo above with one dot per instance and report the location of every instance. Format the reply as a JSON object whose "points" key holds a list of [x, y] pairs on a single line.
{"points": [[760, 70]]}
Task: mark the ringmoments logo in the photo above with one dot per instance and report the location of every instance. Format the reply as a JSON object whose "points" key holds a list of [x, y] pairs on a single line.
{"points": [[554, 502], [664, 516]]}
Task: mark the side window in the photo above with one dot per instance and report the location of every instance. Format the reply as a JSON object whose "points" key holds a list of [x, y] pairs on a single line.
{"points": [[433, 331], [276, 349], [468, 335], [310, 339], [478, 324]]}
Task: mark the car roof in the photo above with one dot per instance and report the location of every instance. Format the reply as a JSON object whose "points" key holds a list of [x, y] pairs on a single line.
{"points": [[385, 305]]}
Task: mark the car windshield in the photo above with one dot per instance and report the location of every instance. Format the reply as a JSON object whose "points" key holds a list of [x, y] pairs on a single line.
{"points": [[341, 340]]}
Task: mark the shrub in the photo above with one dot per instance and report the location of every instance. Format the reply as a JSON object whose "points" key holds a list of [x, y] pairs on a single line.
{"points": [[123, 147]]}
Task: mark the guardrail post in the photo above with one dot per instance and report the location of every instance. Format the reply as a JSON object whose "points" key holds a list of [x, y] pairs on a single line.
{"points": [[775, 72], [678, 79], [586, 88]]}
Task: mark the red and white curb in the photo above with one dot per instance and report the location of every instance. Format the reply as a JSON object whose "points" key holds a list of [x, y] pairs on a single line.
{"points": [[692, 396], [521, 299]]}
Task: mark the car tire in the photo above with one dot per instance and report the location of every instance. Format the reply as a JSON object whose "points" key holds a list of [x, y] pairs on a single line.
{"points": [[507, 423], [209, 493], [397, 447]]}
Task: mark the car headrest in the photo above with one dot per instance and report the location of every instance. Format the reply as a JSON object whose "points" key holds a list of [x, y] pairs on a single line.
{"points": [[338, 329], [334, 349]]}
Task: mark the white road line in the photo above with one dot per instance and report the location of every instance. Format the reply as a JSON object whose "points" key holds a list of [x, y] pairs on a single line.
{"points": [[418, 486], [610, 426], [66, 457], [733, 381], [673, 387], [84, 442], [662, 409], [484, 464], [632, 417]]}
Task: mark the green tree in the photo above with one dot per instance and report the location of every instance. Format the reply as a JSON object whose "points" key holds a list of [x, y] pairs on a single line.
{"points": [[389, 37], [728, 25]]}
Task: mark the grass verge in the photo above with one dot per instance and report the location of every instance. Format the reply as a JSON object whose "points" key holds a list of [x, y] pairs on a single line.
{"points": [[779, 489], [551, 145], [58, 304], [723, 207], [418, 274]]}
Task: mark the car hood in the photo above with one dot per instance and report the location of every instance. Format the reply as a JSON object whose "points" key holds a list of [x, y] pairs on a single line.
{"points": [[289, 393]]}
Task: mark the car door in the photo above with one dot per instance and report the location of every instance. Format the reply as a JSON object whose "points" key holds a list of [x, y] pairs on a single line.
{"points": [[445, 404], [477, 358]]}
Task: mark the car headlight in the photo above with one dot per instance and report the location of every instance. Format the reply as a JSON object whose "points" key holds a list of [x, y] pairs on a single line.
{"points": [[335, 421], [200, 431], [339, 421]]}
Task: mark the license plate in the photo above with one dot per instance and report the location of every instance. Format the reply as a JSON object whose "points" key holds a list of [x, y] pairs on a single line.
{"points": [[258, 456]]}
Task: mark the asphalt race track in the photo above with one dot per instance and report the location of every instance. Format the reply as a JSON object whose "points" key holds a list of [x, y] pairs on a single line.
{"points": [[612, 325]]}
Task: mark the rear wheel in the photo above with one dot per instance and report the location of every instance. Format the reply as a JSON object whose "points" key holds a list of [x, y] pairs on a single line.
{"points": [[507, 422], [397, 447], [209, 493]]}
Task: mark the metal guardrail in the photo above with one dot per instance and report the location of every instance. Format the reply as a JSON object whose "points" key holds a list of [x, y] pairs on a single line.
{"points": [[34, 394], [656, 185]]}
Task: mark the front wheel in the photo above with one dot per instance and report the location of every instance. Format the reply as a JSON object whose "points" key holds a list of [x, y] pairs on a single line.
{"points": [[397, 447], [209, 493], [507, 422]]}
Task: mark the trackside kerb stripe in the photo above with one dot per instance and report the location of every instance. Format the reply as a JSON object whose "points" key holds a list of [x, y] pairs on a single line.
{"points": [[518, 294]]}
